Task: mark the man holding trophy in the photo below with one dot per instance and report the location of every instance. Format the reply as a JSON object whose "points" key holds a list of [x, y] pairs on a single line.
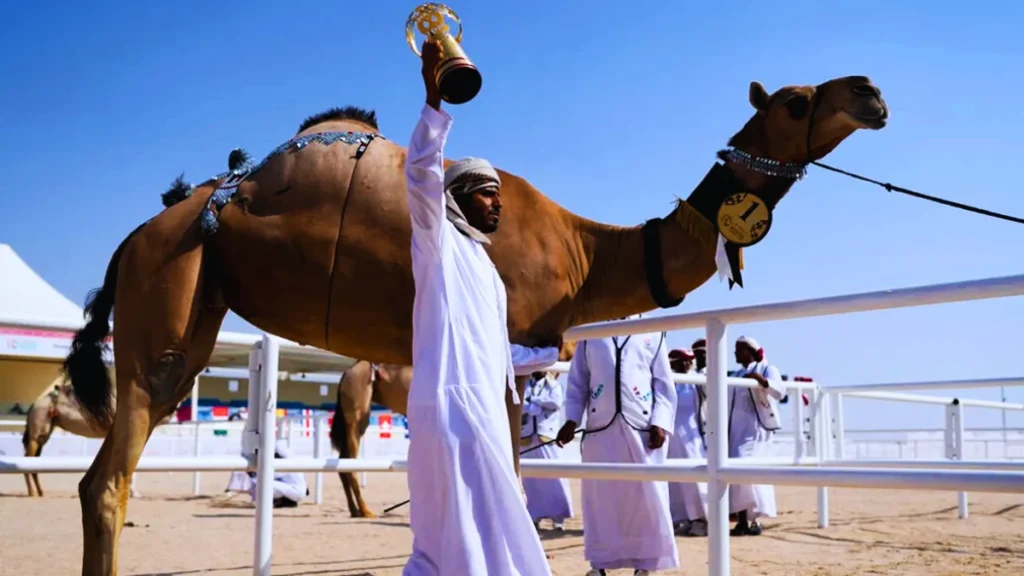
{"points": [[467, 510]]}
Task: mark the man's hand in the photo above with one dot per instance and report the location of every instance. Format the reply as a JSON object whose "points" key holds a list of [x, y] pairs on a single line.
{"points": [[431, 52], [566, 434], [760, 379], [657, 439]]}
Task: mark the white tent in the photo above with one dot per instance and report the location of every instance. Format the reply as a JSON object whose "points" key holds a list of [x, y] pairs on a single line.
{"points": [[36, 320]]}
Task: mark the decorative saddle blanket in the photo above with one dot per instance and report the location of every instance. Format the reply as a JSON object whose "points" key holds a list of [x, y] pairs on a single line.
{"points": [[233, 178]]}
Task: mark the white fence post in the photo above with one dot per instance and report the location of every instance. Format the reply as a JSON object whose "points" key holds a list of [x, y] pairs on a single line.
{"points": [[362, 455], [195, 452], [838, 432], [195, 418], [718, 448], [954, 437], [318, 452], [799, 445], [820, 425], [250, 435], [265, 456]]}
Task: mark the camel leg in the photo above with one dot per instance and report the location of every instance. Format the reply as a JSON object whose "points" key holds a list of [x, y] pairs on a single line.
{"points": [[354, 431], [105, 489], [32, 449], [164, 337]]}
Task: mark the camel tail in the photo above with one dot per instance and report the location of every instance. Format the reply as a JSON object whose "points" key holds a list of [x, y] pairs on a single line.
{"points": [[24, 435], [338, 427], [84, 365]]}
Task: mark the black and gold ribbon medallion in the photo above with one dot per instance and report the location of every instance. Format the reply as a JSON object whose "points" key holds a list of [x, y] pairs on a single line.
{"points": [[744, 219]]}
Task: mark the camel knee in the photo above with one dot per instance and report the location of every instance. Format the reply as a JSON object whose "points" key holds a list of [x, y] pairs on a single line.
{"points": [[99, 506], [164, 379]]}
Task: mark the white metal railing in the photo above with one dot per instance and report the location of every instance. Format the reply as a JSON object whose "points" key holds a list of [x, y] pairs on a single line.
{"points": [[719, 470]]}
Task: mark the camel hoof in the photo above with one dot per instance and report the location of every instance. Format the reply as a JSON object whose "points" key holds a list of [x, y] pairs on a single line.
{"points": [[365, 514]]}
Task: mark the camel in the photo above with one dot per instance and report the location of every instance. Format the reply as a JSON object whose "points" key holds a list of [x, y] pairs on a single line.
{"points": [[360, 386], [56, 408], [288, 243]]}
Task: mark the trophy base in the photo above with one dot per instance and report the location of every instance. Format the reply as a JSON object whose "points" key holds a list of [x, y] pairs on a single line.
{"points": [[459, 81]]}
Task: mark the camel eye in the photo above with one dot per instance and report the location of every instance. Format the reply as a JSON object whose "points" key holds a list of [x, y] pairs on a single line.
{"points": [[797, 106]]}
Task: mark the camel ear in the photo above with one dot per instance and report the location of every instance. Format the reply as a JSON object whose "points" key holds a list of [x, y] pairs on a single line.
{"points": [[758, 97]]}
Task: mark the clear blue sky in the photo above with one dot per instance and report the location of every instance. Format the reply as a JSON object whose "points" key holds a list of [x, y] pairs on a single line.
{"points": [[610, 111]]}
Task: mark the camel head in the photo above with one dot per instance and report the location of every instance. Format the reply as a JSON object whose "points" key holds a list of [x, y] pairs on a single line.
{"points": [[797, 124]]}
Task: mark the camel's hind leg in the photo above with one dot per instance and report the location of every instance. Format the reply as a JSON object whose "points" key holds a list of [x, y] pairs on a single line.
{"points": [[164, 336], [33, 448], [354, 430]]}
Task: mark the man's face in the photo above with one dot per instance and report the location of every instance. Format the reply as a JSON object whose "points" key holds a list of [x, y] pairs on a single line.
{"points": [[701, 357], [482, 208], [744, 355]]}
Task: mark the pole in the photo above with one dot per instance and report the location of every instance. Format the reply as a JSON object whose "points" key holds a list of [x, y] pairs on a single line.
{"points": [[318, 449], [265, 456], [195, 418], [821, 426], [718, 449], [1002, 394]]}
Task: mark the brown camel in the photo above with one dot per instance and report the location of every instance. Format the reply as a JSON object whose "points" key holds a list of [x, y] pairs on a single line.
{"points": [[289, 248], [360, 386]]}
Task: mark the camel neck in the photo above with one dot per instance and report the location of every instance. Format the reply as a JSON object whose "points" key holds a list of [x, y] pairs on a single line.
{"points": [[614, 284]]}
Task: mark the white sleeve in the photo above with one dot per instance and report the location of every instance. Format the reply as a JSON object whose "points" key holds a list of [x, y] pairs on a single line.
{"points": [[665, 397], [576, 394], [528, 360], [424, 173], [776, 387], [550, 396]]}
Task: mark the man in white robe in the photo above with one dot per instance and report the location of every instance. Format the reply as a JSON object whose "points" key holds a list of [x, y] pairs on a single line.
{"points": [[753, 420], [700, 356], [542, 405], [290, 488], [689, 500], [467, 512], [625, 386]]}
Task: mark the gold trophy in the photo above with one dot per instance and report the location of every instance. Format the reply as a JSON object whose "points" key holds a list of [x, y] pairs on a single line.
{"points": [[457, 78]]}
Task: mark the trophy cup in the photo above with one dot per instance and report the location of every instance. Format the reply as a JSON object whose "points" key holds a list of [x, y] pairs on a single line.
{"points": [[457, 78]]}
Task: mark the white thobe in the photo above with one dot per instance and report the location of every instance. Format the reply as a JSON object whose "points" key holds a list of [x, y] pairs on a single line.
{"points": [[290, 485], [466, 511], [748, 438], [626, 524], [542, 404], [689, 500]]}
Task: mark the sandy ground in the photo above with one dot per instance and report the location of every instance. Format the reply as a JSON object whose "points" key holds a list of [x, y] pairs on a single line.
{"points": [[872, 532]]}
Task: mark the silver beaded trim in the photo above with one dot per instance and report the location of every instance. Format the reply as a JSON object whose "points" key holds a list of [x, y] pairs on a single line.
{"points": [[766, 166]]}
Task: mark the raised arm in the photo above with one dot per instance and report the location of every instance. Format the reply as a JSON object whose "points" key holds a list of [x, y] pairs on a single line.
{"points": [[424, 174], [424, 167]]}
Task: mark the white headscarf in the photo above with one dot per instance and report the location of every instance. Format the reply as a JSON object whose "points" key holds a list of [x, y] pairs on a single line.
{"points": [[485, 174], [754, 345]]}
